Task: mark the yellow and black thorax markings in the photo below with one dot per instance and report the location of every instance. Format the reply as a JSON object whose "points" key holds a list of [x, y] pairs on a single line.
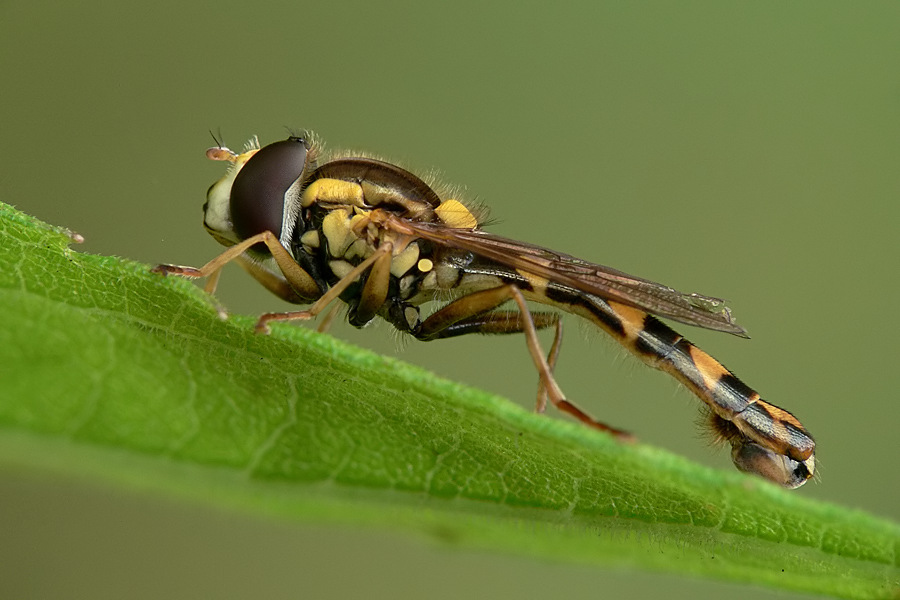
{"points": [[339, 226]]}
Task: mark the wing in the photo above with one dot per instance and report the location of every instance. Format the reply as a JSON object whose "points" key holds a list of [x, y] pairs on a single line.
{"points": [[606, 282]]}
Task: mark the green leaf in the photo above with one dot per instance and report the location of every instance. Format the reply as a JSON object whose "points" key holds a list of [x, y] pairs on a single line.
{"points": [[109, 371]]}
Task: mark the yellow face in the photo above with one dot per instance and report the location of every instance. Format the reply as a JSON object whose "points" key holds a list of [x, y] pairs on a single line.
{"points": [[217, 210]]}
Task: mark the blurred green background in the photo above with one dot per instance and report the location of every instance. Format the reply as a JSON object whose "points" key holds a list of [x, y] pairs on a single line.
{"points": [[748, 151]]}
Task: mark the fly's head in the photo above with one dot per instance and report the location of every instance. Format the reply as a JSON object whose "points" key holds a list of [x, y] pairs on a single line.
{"points": [[260, 190]]}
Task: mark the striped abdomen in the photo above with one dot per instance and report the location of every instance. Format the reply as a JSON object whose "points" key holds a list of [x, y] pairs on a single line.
{"points": [[765, 439]]}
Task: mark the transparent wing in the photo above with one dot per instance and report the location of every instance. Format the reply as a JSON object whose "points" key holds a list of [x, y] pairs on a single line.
{"points": [[608, 283]]}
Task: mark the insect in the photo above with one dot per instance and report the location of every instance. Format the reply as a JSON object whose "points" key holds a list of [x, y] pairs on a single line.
{"points": [[315, 229]]}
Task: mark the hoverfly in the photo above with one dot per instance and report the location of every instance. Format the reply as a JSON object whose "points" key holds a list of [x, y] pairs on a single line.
{"points": [[314, 230]]}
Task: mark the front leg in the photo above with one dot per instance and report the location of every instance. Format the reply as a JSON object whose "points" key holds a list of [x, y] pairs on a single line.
{"points": [[293, 283]]}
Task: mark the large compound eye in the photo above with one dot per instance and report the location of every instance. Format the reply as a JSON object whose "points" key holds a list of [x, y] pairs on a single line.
{"points": [[258, 191]]}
